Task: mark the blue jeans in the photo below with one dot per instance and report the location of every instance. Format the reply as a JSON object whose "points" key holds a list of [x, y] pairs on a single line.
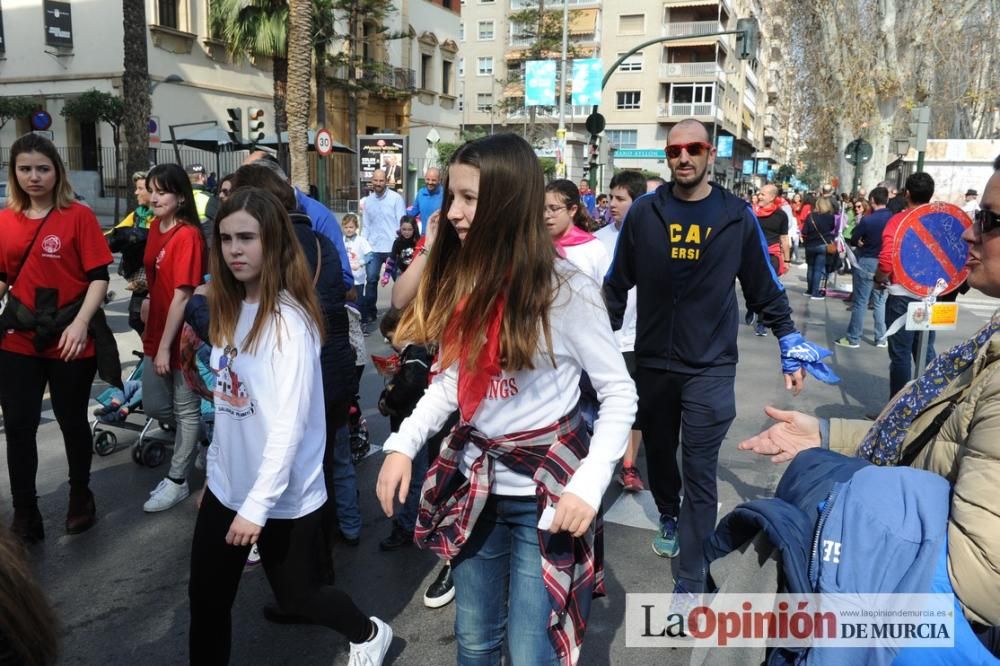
{"points": [[499, 568], [816, 268], [344, 484], [369, 309], [407, 516], [864, 280], [904, 346]]}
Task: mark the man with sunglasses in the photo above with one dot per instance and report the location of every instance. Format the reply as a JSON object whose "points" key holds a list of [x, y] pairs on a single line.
{"points": [[683, 246]]}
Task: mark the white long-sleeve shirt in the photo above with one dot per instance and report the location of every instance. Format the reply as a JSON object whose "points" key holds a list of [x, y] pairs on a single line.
{"points": [[591, 257], [531, 399], [625, 336], [266, 458]]}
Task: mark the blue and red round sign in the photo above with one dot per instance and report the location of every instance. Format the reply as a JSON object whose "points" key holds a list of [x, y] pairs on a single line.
{"points": [[41, 120], [928, 246]]}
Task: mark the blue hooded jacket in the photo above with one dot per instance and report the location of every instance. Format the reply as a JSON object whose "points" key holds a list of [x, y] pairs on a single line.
{"points": [[842, 525]]}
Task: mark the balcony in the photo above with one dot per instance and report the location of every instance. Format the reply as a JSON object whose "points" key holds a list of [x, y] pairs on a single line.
{"points": [[517, 5], [379, 74], [691, 28], [689, 3], [578, 112], [673, 70], [752, 77], [665, 111]]}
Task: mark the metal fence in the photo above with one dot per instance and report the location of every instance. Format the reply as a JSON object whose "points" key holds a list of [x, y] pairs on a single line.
{"points": [[102, 161]]}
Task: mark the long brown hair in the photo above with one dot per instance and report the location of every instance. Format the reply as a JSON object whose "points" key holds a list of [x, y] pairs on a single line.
{"points": [[62, 192], [28, 627], [507, 251], [284, 269]]}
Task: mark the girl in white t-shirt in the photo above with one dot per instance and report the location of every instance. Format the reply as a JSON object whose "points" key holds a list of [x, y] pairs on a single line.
{"points": [[265, 465], [569, 225], [513, 497]]}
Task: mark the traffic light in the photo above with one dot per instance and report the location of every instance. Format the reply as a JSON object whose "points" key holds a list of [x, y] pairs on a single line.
{"points": [[921, 117], [235, 125], [747, 38], [255, 124]]}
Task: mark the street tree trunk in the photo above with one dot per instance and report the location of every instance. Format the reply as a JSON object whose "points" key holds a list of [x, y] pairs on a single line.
{"points": [[280, 76], [299, 91], [353, 25], [135, 90]]}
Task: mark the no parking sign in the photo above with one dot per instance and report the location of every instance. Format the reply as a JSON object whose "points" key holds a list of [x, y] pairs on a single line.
{"points": [[928, 247]]}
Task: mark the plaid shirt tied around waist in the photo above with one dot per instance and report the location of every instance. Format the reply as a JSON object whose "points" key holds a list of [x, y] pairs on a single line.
{"points": [[450, 505]]}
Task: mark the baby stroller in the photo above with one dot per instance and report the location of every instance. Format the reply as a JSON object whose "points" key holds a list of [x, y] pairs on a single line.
{"points": [[116, 406]]}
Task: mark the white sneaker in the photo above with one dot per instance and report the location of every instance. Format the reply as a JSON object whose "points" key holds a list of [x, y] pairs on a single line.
{"points": [[371, 653], [253, 559], [166, 495]]}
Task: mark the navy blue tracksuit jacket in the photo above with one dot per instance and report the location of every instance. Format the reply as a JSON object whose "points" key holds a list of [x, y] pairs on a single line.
{"points": [[687, 321]]}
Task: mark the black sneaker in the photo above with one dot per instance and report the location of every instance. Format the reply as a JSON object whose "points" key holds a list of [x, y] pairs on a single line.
{"points": [[398, 538], [441, 591]]}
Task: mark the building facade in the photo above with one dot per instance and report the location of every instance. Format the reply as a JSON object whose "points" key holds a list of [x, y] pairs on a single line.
{"points": [[695, 74], [55, 51]]}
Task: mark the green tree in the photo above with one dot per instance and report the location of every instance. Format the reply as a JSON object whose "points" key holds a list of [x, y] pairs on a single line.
{"points": [[542, 29], [95, 107], [257, 28], [135, 88], [12, 108], [367, 31]]}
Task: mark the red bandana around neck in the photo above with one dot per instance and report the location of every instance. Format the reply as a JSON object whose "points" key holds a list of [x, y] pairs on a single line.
{"points": [[475, 374], [573, 236]]}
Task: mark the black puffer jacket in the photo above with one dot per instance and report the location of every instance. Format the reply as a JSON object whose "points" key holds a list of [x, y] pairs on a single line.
{"points": [[337, 356]]}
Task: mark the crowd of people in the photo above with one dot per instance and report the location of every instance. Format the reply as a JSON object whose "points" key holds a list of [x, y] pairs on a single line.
{"points": [[541, 339]]}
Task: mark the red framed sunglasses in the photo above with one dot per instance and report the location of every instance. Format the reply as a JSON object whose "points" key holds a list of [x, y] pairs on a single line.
{"points": [[694, 149]]}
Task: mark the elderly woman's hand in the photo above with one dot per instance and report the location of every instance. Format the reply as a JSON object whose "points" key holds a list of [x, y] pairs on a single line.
{"points": [[793, 432]]}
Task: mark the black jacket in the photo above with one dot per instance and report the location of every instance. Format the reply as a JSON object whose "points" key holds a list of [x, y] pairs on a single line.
{"points": [[337, 356], [691, 327], [819, 229]]}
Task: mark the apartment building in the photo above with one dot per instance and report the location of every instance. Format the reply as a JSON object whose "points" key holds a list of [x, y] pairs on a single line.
{"points": [[54, 51], [51, 51], [697, 74]]}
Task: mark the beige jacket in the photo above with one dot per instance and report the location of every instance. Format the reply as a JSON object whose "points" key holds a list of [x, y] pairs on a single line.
{"points": [[966, 451]]}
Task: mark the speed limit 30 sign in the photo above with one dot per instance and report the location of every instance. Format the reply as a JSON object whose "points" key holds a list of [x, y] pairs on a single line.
{"points": [[324, 142]]}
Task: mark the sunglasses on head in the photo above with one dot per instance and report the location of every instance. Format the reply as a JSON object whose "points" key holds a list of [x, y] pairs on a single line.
{"points": [[694, 149], [986, 221]]}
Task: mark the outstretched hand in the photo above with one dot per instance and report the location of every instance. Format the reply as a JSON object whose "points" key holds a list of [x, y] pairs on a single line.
{"points": [[393, 480], [793, 432]]}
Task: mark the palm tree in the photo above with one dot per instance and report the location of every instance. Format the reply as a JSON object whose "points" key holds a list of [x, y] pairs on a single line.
{"points": [[135, 90], [257, 28], [300, 42]]}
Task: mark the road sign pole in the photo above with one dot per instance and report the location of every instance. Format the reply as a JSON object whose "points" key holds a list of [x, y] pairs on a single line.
{"points": [[920, 160], [922, 354]]}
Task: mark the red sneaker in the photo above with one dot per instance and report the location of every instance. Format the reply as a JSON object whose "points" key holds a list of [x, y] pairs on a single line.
{"points": [[630, 479]]}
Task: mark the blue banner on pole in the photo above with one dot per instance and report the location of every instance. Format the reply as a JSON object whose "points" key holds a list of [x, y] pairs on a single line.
{"points": [[762, 167], [747, 167], [587, 75], [540, 83], [724, 146]]}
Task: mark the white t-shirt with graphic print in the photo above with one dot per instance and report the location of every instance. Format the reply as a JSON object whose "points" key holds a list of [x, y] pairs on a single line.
{"points": [[266, 458]]}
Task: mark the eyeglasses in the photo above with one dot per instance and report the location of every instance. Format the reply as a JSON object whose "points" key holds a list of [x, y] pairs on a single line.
{"points": [[694, 149], [986, 221], [552, 210]]}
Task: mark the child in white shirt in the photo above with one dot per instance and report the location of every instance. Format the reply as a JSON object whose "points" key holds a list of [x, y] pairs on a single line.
{"points": [[265, 465], [517, 326]]}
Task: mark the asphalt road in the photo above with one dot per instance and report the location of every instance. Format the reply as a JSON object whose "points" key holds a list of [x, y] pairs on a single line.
{"points": [[120, 590]]}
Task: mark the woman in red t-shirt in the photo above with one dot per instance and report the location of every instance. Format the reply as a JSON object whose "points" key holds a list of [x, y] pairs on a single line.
{"points": [[174, 262], [53, 260]]}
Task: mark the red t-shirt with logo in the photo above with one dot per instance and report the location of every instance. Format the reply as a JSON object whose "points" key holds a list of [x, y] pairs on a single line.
{"points": [[173, 259], [69, 246]]}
